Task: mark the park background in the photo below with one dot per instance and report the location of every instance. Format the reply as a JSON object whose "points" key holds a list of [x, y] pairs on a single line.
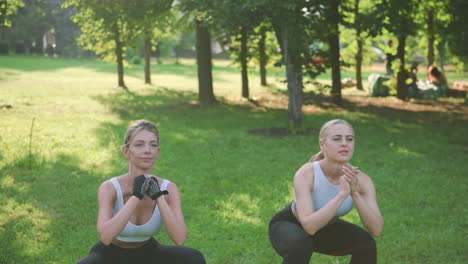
{"points": [[231, 135]]}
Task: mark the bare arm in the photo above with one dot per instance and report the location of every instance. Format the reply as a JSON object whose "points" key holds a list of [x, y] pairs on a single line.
{"points": [[312, 220], [170, 207], [108, 226], [364, 198]]}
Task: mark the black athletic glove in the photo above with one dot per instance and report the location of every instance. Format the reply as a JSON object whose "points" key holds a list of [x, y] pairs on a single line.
{"points": [[139, 186], [153, 190]]}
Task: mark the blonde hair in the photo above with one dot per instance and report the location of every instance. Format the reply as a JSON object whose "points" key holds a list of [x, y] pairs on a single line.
{"points": [[138, 126], [324, 133]]}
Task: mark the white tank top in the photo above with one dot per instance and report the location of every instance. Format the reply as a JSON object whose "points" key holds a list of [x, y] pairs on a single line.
{"points": [[137, 233], [324, 191]]}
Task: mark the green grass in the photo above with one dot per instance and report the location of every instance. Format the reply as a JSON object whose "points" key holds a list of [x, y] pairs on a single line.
{"points": [[231, 181]]}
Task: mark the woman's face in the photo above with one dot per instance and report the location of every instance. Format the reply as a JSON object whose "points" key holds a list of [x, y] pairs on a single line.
{"points": [[143, 150], [339, 143]]}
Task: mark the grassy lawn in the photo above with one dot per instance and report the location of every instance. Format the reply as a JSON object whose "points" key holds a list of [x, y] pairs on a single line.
{"points": [[231, 181]]}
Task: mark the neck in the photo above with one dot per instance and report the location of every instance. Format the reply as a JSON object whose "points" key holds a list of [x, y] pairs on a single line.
{"points": [[134, 172], [332, 169]]}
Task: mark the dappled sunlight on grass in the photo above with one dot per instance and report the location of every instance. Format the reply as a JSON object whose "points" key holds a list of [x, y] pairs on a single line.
{"points": [[408, 152], [239, 208], [8, 182], [25, 228]]}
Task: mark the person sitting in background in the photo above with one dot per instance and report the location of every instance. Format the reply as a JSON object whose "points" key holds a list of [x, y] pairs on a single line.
{"points": [[437, 78], [412, 80]]}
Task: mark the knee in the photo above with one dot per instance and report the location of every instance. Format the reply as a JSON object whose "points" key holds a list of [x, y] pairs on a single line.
{"points": [[367, 242], [197, 257]]}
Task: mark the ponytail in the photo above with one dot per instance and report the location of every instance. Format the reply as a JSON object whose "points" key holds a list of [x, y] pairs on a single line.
{"points": [[317, 157]]}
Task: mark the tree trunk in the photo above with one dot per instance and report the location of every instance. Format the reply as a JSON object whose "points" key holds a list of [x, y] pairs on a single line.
{"points": [[402, 89], [334, 43], [359, 47], [441, 49], [430, 36], [243, 60], [359, 65], [263, 57], [294, 79], [119, 55], [147, 54], [205, 79]]}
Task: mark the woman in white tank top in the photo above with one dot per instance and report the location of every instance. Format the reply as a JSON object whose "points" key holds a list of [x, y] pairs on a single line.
{"points": [[134, 206], [325, 189]]}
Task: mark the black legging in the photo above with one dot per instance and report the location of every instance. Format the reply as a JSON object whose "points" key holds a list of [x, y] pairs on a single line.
{"points": [[338, 239], [151, 253]]}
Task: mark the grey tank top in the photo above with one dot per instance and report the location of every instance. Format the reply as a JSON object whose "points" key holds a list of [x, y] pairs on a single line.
{"points": [[137, 233], [324, 191]]}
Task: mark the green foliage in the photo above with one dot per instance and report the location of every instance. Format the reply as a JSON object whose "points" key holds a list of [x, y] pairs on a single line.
{"points": [[103, 23], [31, 20], [349, 50], [271, 48], [7, 9], [397, 16], [457, 28]]}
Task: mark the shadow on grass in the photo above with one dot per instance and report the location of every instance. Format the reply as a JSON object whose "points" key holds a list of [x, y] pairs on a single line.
{"points": [[48, 211]]}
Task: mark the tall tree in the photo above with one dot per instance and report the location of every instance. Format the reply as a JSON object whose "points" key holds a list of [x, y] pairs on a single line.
{"points": [[457, 29], [106, 29], [200, 12], [359, 44], [262, 58], [291, 22], [433, 16], [333, 18], [151, 18], [205, 67], [236, 20], [265, 49], [398, 18]]}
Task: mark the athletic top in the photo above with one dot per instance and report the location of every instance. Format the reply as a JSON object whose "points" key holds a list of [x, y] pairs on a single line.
{"points": [[137, 233], [324, 191]]}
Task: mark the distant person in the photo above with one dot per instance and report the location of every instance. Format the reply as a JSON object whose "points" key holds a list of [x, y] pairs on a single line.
{"points": [[324, 189], [134, 206], [390, 56], [437, 78], [412, 81]]}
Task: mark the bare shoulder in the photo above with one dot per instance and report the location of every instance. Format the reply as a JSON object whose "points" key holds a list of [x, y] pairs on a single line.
{"points": [[107, 191], [174, 193], [305, 174], [365, 178], [366, 183]]}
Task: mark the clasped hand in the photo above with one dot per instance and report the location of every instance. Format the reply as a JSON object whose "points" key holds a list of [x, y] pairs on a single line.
{"points": [[350, 180], [147, 185]]}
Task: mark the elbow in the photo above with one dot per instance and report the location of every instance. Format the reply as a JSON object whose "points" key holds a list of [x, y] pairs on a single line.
{"points": [[310, 229], [180, 241], [105, 238], [378, 230], [377, 233]]}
